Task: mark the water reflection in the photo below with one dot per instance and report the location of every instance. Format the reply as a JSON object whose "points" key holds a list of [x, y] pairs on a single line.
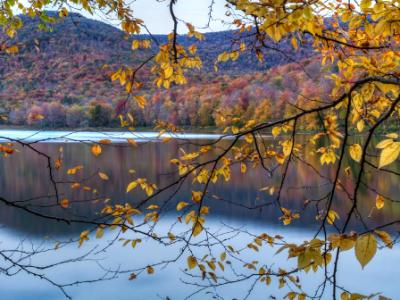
{"points": [[24, 175]]}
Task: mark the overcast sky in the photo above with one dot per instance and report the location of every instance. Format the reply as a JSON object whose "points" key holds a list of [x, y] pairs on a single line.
{"points": [[156, 15]]}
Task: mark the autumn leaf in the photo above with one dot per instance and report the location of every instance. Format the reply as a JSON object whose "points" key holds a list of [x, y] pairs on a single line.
{"points": [[204, 210], [198, 226], [276, 131], [168, 72], [389, 154], [181, 205], [12, 49], [384, 143], [150, 270], [64, 203], [57, 163], [223, 57], [171, 236], [392, 135], [332, 215], [355, 152], [360, 125], [75, 185], [132, 142], [379, 201], [103, 176], [84, 236], [63, 13], [141, 101], [99, 233], [385, 237], [135, 44], [131, 186], [192, 262], [96, 150], [152, 206], [197, 229], [73, 170], [243, 167], [365, 248], [196, 196], [105, 142]]}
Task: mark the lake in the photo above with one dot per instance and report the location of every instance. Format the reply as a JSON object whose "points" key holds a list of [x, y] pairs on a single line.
{"points": [[243, 204]]}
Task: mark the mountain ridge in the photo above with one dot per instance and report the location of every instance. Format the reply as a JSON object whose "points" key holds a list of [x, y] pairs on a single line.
{"points": [[64, 66]]}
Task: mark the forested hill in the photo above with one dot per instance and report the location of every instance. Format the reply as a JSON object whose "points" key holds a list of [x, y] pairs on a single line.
{"points": [[63, 66]]}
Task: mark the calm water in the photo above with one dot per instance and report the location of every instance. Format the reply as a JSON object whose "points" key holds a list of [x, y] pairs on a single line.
{"points": [[25, 175]]}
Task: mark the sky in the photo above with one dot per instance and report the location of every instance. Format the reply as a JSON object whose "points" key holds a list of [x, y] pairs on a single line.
{"points": [[155, 14]]}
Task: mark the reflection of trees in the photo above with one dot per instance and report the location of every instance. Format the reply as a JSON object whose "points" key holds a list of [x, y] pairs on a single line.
{"points": [[24, 176]]}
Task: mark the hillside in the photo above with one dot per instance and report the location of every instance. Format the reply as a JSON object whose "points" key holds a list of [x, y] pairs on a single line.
{"points": [[59, 73]]}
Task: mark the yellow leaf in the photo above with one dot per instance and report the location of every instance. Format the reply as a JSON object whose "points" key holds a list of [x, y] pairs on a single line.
{"points": [[379, 202], [198, 227], [103, 176], [389, 154], [243, 167], [293, 41], [223, 57], [149, 190], [365, 248], [131, 186], [150, 270], [204, 210], [192, 262], [135, 44], [345, 296], [132, 142], [332, 215], [248, 138], [105, 142], [181, 205], [196, 196], [83, 237], [58, 163], [385, 143], [96, 150], [146, 43], [222, 256], [171, 236], [276, 131], [12, 50], [360, 125], [75, 185], [347, 170], [385, 237], [392, 135], [168, 72], [99, 232], [63, 12], [141, 101], [73, 170], [355, 152], [64, 203], [152, 206]]}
